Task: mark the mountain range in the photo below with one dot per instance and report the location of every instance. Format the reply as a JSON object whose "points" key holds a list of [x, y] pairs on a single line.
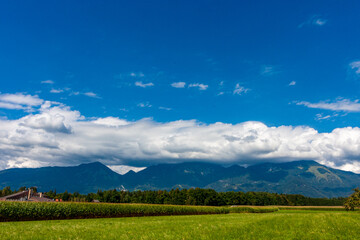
{"points": [[308, 178]]}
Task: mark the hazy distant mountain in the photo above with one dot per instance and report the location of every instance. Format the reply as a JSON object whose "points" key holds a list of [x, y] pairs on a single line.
{"points": [[301, 177]]}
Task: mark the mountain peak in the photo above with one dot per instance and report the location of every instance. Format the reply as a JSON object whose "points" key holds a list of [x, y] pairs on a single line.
{"points": [[94, 165]]}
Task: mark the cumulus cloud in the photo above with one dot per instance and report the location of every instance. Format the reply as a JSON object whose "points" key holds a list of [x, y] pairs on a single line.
{"points": [[239, 90], [143, 85], [111, 121], [178, 84], [345, 105], [58, 135], [201, 86]]}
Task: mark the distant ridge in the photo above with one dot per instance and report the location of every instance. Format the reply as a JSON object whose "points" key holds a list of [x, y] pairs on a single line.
{"points": [[308, 178]]}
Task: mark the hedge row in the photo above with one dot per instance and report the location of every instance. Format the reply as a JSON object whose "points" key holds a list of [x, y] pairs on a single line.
{"points": [[25, 211], [253, 209]]}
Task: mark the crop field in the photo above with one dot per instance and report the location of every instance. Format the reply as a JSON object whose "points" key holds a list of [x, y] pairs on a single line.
{"points": [[30, 211], [283, 224]]}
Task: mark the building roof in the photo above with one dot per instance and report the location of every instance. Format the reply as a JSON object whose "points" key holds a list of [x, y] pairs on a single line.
{"points": [[15, 195], [24, 196]]}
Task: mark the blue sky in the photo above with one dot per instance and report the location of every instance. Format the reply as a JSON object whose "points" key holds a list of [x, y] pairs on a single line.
{"points": [[275, 62]]}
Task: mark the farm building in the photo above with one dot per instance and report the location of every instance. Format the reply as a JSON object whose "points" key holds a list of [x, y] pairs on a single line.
{"points": [[27, 195]]}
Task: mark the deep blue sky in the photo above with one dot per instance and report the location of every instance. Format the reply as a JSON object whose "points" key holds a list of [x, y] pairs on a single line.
{"points": [[105, 47]]}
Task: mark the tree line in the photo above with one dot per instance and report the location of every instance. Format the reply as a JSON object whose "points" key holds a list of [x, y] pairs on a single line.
{"points": [[193, 196]]}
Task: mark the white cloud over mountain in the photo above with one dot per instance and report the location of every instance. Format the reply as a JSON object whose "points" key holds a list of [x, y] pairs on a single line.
{"points": [[57, 135]]}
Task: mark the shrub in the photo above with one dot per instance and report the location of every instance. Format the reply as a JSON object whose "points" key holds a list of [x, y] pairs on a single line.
{"points": [[353, 201]]}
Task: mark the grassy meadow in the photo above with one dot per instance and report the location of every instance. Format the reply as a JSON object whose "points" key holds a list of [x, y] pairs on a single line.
{"points": [[283, 224]]}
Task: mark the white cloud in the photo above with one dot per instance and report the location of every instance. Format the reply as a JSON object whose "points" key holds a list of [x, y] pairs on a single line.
{"points": [[239, 90], [355, 66], [269, 70], [74, 93], [122, 169], [48, 82], [19, 101], [165, 108], [292, 83], [56, 90], [178, 84], [144, 105], [314, 20], [345, 105], [321, 116], [90, 94], [7, 105], [199, 85], [57, 135], [137, 74], [319, 21], [20, 98], [143, 85], [111, 121]]}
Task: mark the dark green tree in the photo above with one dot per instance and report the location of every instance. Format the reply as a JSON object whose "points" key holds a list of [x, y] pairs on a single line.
{"points": [[353, 201]]}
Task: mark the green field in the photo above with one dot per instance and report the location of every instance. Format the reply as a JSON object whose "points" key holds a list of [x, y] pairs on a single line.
{"points": [[284, 224]]}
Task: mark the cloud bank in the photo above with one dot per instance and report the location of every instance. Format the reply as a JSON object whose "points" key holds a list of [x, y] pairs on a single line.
{"points": [[58, 135]]}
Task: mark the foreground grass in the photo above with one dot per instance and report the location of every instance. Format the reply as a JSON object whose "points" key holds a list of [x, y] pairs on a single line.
{"points": [[277, 225]]}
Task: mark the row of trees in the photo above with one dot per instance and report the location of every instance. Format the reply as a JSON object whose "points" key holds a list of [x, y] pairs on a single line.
{"points": [[193, 196]]}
